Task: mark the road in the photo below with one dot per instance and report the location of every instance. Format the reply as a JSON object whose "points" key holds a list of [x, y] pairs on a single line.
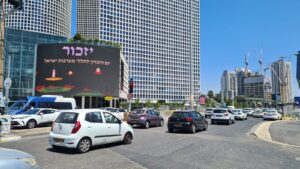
{"points": [[220, 147]]}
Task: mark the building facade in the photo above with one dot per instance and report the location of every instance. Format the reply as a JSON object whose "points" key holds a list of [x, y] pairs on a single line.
{"points": [[258, 87], [281, 81], [51, 17], [20, 53], [229, 85], [298, 68], [160, 39]]}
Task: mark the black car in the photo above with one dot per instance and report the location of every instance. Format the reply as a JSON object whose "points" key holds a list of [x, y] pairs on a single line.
{"points": [[187, 120]]}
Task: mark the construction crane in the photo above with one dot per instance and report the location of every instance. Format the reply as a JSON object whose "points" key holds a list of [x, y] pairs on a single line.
{"points": [[282, 82], [246, 64], [260, 62]]}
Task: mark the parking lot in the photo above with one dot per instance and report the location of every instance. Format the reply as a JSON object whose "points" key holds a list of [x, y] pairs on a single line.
{"points": [[222, 146]]}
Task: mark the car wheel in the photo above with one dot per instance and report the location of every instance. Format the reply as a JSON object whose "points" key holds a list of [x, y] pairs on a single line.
{"points": [[193, 129], [170, 130], [127, 138], [229, 122], [84, 145], [161, 123], [147, 124], [206, 126], [31, 124]]}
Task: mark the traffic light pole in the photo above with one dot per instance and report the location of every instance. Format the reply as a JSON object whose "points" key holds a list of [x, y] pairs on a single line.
{"points": [[2, 45]]}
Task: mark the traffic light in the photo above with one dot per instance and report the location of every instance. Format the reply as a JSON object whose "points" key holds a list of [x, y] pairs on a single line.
{"points": [[18, 4], [130, 86]]}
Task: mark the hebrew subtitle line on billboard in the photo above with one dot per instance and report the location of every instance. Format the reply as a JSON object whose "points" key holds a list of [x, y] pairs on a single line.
{"points": [[77, 70]]}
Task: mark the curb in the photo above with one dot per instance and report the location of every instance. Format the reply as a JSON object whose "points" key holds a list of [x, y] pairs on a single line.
{"points": [[262, 132], [9, 138]]}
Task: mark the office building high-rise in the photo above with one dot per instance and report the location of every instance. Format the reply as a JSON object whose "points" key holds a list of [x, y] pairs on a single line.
{"points": [[160, 39], [52, 17], [281, 80], [258, 87], [229, 85]]}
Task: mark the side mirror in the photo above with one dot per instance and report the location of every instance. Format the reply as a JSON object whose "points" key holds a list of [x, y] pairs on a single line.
{"points": [[120, 121]]}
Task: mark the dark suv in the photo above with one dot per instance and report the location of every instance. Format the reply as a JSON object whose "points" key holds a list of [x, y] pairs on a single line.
{"points": [[187, 120], [146, 118]]}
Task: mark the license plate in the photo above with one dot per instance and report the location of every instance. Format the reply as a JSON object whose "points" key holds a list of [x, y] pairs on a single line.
{"points": [[177, 125], [219, 115], [58, 140], [14, 123]]}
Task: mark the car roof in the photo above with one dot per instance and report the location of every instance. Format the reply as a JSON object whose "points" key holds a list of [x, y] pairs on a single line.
{"points": [[84, 110]]}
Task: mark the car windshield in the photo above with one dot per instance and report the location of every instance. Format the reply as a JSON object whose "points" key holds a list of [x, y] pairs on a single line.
{"points": [[67, 117], [17, 105], [32, 111], [219, 111], [181, 114], [140, 111]]}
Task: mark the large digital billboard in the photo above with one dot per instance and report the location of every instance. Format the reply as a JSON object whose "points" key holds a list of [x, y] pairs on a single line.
{"points": [[77, 70]]}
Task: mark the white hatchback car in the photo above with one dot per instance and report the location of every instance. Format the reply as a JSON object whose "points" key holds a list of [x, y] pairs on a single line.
{"points": [[34, 117], [84, 128], [239, 114], [222, 115], [272, 115]]}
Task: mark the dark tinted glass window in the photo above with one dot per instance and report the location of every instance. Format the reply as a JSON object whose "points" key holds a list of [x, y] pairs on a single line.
{"points": [[121, 110], [181, 114], [67, 117], [94, 117], [56, 105], [219, 111]]}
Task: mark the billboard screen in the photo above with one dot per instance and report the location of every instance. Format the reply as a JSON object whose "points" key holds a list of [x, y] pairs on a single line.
{"points": [[77, 70]]}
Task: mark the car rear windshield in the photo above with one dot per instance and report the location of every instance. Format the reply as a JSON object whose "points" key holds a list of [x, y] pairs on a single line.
{"points": [[181, 114], [219, 111], [209, 109], [67, 117]]}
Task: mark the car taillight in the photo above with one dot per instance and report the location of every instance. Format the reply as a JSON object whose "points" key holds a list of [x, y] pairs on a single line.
{"points": [[76, 127], [225, 114], [189, 119]]}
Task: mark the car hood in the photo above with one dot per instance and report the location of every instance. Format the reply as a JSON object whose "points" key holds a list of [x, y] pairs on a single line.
{"points": [[6, 154]]}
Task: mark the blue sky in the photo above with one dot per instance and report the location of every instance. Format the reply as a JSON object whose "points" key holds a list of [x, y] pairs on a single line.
{"points": [[231, 28]]}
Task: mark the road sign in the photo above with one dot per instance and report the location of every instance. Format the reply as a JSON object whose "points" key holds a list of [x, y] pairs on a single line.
{"points": [[129, 96], [202, 100], [7, 83], [108, 98]]}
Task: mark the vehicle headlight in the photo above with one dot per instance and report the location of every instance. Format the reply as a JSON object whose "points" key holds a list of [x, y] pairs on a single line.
{"points": [[30, 161]]}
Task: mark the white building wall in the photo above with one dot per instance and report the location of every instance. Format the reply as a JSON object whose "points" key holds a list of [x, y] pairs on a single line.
{"points": [[161, 42], [51, 17]]}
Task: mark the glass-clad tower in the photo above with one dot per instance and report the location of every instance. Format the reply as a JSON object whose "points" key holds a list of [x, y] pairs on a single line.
{"points": [[51, 17], [160, 38]]}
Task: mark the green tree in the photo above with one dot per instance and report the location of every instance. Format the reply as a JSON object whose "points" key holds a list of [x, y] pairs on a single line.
{"points": [[157, 105], [124, 105], [148, 104], [210, 94], [78, 37], [136, 103]]}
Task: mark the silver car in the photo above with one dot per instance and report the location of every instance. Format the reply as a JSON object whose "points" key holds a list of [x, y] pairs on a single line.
{"points": [[14, 159]]}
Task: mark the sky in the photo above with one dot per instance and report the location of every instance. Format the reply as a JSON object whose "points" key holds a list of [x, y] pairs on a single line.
{"points": [[232, 28]]}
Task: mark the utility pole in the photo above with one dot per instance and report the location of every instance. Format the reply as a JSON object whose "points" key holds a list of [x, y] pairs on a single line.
{"points": [[17, 5]]}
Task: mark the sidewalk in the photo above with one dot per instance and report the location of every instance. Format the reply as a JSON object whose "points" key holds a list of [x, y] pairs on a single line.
{"points": [[31, 132], [285, 133]]}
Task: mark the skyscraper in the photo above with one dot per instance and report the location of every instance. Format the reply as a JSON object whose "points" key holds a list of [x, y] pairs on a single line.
{"points": [[52, 17], [160, 39], [229, 85], [281, 80]]}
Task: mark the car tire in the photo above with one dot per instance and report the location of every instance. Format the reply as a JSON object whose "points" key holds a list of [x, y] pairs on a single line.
{"points": [[147, 125], [229, 122], [31, 124], [127, 138], [205, 127], [170, 130], [193, 129], [84, 145]]}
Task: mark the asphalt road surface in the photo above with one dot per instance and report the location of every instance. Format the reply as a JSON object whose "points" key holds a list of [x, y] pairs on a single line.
{"points": [[221, 147]]}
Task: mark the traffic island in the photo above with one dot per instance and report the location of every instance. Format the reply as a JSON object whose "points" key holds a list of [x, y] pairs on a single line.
{"points": [[279, 132]]}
